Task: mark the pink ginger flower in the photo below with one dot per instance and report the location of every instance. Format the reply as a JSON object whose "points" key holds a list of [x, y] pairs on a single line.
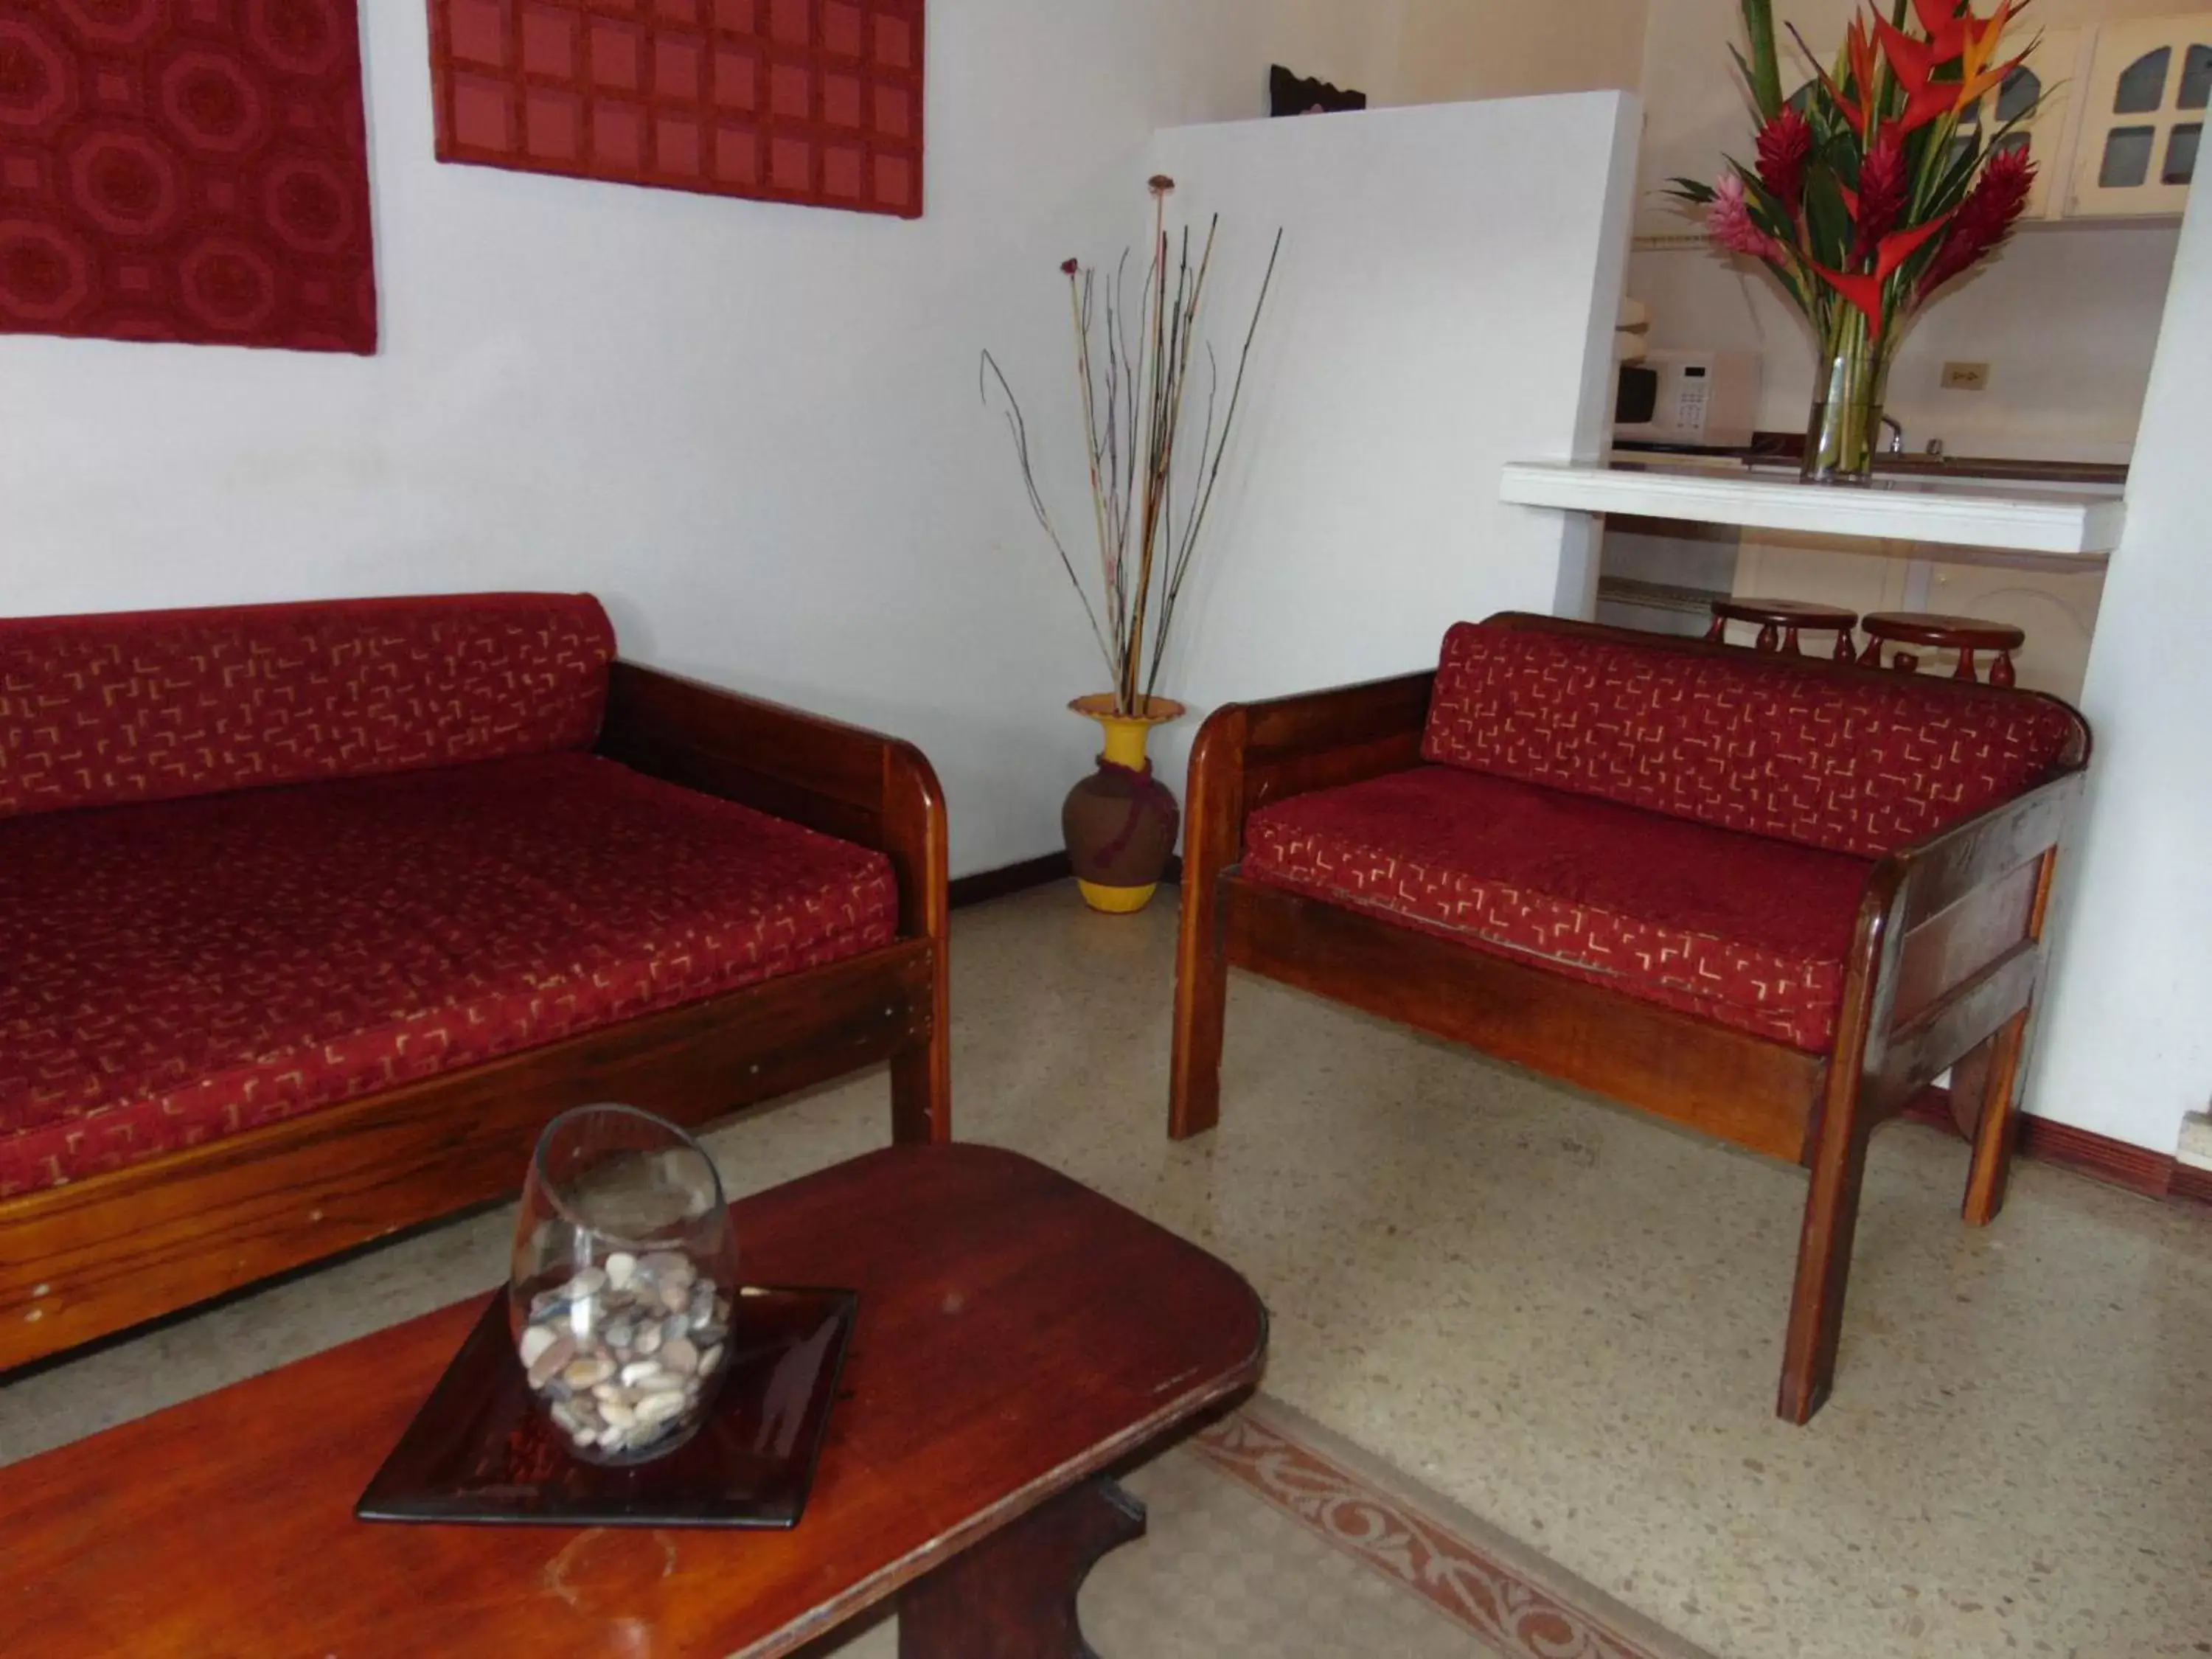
{"points": [[1728, 221]]}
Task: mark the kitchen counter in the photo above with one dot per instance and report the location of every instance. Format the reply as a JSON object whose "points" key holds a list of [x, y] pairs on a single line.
{"points": [[2067, 517]]}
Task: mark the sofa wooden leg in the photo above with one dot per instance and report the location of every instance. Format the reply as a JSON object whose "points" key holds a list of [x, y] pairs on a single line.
{"points": [[922, 1075], [1200, 1005], [921, 1091], [1824, 1268], [1992, 1070]]}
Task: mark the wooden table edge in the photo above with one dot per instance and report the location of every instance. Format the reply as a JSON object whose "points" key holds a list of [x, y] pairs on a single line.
{"points": [[886, 1582]]}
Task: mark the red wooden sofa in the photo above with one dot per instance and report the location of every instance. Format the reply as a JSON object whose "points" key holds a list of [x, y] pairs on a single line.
{"points": [[1768, 897], [311, 915]]}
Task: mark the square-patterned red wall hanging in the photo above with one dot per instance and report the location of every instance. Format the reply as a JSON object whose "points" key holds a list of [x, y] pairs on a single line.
{"points": [[812, 101], [191, 170]]}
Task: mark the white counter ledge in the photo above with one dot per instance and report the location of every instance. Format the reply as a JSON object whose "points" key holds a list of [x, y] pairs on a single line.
{"points": [[2082, 521]]}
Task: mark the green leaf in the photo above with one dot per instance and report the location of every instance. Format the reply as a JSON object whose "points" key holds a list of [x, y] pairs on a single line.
{"points": [[1764, 73], [1690, 189]]}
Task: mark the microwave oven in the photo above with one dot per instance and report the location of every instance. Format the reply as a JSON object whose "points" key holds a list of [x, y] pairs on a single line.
{"points": [[1686, 399]]}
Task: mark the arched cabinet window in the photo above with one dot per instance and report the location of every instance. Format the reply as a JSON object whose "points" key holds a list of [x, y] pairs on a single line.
{"points": [[2142, 117]]}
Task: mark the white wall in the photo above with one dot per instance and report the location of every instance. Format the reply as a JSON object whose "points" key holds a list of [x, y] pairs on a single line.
{"points": [[2126, 1042], [753, 429], [1436, 316]]}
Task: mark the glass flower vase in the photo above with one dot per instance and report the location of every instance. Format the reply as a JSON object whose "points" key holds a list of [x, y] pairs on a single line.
{"points": [[625, 1272], [1844, 433]]}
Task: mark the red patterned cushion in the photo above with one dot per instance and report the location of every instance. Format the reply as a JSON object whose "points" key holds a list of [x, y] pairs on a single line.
{"points": [[184, 971], [1743, 930], [155, 704], [1858, 763]]}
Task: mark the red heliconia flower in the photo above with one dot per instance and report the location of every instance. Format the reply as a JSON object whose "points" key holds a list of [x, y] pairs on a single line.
{"points": [[1883, 186], [1863, 288], [1983, 220], [1785, 143], [1946, 23], [1913, 63]]}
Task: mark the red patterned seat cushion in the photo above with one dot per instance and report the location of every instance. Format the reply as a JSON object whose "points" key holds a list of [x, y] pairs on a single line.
{"points": [[1741, 929], [156, 704], [1856, 764], [186, 970]]}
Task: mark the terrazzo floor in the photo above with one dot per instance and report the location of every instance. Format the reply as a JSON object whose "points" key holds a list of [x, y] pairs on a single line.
{"points": [[1560, 1314]]}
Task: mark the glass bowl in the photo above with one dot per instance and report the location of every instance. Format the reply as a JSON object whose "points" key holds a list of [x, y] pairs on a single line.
{"points": [[624, 1274]]}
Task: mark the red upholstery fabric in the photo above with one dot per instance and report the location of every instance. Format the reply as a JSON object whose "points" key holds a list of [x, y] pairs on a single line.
{"points": [[1741, 929], [156, 704], [186, 970], [190, 170], [1860, 763], [812, 101]]}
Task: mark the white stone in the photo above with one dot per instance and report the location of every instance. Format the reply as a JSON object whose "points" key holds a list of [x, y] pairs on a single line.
{"points": [[536, 1339], [643, 1373], [659, 1407], [621, 1269]]}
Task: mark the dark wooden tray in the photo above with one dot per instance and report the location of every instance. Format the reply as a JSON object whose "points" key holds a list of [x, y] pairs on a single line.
{"points": [[481, 1451]]}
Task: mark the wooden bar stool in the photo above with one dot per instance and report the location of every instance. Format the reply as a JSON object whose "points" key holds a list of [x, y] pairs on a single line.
{"points": [[1779, 620], [1964, 634]]}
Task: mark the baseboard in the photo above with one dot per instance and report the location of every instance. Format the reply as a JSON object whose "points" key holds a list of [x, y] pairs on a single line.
{"points": [[1041, 871], [986, 884], [2115, 1163]]}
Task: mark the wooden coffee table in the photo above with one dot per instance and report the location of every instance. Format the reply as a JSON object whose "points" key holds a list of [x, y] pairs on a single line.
{"points": [[1018, 1335]]}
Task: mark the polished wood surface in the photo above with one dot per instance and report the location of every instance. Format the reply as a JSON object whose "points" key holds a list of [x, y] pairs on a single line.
{"points": [[1945, 959], [1013, 1596], [96, 1256], [1780, 620], [1018, 1335], [1964, 634]]}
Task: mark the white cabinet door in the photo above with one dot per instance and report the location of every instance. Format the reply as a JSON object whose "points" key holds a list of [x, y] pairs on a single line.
{"points": [[2055, 609], [2142, 117]]}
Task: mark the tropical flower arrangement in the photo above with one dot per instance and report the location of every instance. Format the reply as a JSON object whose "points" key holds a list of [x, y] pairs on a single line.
{"points": [[1873, 187]]}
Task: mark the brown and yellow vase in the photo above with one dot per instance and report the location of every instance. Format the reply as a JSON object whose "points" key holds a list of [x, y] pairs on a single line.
{"points": [[1120, 822]]}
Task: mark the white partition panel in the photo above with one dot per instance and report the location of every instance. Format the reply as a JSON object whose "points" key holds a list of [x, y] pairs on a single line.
{"points": [[1445, 304]]}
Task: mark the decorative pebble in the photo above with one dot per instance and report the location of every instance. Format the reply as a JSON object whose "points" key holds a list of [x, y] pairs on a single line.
{"points": [[621, 1353], [556, 1353], [584, 1372], [660, 1407]]}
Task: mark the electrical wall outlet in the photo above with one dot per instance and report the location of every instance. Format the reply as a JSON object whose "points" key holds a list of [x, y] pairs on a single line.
{"points": [[1965, 377]]}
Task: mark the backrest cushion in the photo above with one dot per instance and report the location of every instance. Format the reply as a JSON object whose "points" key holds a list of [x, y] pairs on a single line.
{"points": [[150, 705], [1863, 762]]}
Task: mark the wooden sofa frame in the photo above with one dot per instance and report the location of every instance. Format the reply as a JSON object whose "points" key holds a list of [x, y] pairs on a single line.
{"points": [[91, 1257], [1943, 973]]}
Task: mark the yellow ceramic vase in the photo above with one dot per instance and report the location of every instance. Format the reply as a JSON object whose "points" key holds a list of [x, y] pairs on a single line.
{"points": [[1120, 822]]}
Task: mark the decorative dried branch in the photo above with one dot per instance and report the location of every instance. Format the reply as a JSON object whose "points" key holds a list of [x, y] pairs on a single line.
{"points": [[1132, 385]]}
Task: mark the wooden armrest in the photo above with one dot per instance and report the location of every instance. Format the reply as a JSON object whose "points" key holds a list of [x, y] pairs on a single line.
{"points": [[1315, 740], [844, 780], [1949, 939]]}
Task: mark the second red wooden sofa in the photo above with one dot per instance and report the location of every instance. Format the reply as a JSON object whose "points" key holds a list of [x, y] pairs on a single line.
{"points": [[1767, 896]]}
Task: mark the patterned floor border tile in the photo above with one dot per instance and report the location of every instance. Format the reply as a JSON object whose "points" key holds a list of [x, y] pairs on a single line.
{"points": [[1504, 1593]]}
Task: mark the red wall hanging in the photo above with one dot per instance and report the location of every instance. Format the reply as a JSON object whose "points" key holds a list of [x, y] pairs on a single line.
{"points": [[810, 101], [190, 170]]}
